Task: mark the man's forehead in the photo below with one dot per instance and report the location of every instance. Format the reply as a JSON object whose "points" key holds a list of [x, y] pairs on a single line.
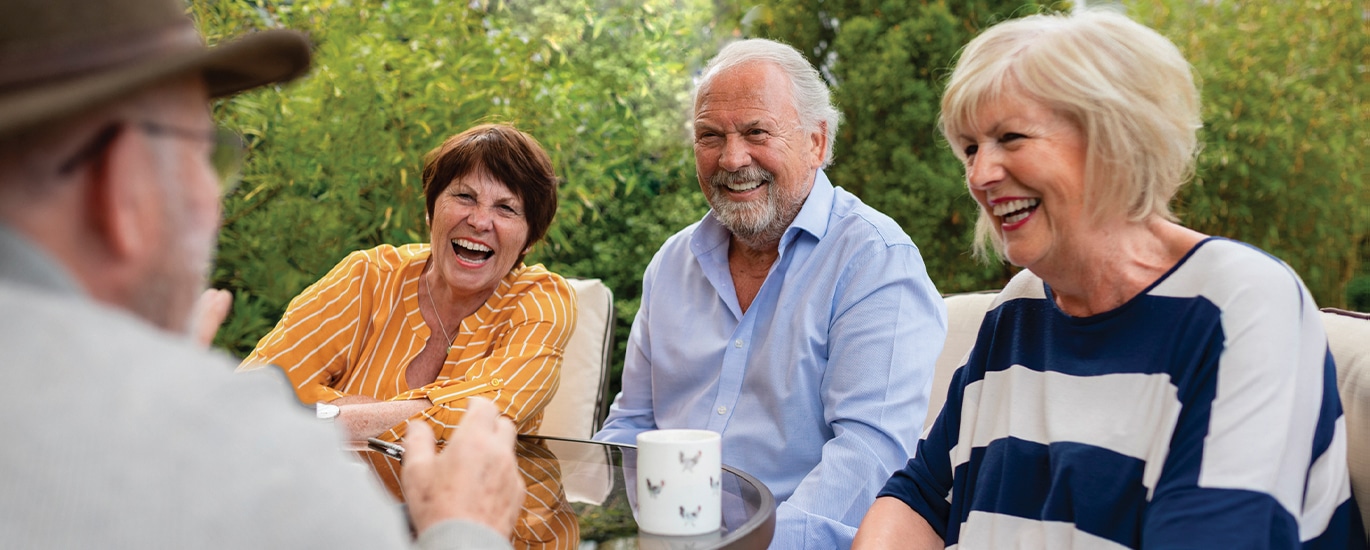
{"points": [[732, 116], [749, 94], [747, 80], [704, 121], [747, 77]]}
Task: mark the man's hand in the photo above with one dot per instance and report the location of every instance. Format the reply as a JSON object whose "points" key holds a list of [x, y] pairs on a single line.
{"points": [[475, 478]]}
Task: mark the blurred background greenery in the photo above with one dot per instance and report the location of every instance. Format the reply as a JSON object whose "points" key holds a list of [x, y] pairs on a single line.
{"points": [[604, 85]]}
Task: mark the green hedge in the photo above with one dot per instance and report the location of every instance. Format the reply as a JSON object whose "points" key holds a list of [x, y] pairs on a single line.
{"points": [[336, 157], [1285, 131], [1286, 128], [604, 85]]}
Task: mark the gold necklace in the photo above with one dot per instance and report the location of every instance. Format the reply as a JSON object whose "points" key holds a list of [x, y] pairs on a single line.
{"points": [[438, 315]]}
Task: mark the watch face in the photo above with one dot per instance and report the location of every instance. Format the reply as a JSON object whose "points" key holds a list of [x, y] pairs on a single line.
{"points": [[325, 411]]}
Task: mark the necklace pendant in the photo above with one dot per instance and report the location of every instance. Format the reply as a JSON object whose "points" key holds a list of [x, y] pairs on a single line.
{"points": [[449, 349]]}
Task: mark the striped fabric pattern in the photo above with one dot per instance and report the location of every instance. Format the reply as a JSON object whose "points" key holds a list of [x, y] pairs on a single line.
{"points": [[1203, 413], [355, 331]]}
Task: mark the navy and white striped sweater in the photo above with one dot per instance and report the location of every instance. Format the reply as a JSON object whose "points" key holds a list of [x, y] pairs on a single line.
{"points": [[1202, 413]]}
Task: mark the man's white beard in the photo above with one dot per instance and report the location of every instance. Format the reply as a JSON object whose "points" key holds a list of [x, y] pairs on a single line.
{"points": [[754, 222]]}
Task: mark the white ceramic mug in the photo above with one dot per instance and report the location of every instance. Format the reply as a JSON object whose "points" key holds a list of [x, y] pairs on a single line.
{"points": [[679, 482]]}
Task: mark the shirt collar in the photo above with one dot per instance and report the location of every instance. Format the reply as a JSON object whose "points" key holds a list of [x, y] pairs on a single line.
{"points": [[812, 219], [813, 216], [26, 264]]}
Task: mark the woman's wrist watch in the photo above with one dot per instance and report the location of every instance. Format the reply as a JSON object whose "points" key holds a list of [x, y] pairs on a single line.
{"points": [[326, 411]]}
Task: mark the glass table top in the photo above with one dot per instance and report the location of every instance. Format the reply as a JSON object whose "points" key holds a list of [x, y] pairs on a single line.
{"points": [[582, 496], [597, 480]]}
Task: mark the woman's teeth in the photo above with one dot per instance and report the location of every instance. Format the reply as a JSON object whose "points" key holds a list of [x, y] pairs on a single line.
{"points": [[1015, 211], [471, 251]]}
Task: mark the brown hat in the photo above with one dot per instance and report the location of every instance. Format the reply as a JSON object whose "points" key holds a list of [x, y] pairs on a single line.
{"points": [[61, 57]]}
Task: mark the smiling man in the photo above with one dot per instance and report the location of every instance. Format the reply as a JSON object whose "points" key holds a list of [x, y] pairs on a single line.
{"points": [[793, 319]]}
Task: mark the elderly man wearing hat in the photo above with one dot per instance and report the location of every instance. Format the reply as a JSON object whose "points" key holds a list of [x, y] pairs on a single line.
{"points": [[118, 430]]}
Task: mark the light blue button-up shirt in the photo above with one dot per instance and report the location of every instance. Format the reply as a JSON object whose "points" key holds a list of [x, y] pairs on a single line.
{"points": [[820, 388]]}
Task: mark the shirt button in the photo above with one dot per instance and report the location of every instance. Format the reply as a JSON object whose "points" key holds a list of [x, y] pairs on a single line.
{"points": [[737, 343], [722, 410]]}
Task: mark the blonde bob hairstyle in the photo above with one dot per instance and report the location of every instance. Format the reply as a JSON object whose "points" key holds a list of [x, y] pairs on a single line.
{"points": [[1127, 88]]}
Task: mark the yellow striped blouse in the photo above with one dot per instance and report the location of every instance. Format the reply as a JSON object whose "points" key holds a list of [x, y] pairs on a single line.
{"points": [[355, 331]]}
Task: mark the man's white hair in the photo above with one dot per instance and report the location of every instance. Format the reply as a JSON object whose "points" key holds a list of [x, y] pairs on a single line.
{"points": [[812, 99]]}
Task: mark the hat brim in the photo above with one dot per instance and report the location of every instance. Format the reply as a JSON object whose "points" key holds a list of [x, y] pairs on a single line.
{"points": [[254, 60]]}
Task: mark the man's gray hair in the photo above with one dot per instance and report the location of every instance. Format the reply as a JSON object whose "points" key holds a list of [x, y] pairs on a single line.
{"points": [[812, 100]]}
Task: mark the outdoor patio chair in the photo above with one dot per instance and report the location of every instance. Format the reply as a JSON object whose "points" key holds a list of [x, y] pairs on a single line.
{"points": [[582, 400]]}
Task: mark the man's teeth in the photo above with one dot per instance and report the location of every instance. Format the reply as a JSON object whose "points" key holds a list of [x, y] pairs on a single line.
{"points": [[1015, 210], [740, 186], [473, 246]]}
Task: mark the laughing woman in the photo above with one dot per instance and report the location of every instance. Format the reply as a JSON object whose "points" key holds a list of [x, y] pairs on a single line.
{"points": [[1138, 384], [394, 333]]}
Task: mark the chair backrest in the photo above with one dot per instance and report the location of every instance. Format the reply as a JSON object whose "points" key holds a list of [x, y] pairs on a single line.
{"points": [[1348, 336], [964, 312], [582, 400]]}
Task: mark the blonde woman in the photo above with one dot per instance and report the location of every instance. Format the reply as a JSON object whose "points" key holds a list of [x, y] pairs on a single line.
{"points": [[1138, 384]]}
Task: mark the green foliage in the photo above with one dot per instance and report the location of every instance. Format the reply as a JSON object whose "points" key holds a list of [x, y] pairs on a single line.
{"points": [[887, 62], [336, 158], [1358, 293], [1285, 128], [609, 522], [604, 85]]}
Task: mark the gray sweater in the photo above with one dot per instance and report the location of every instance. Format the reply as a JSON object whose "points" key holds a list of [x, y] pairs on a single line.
{"points": [[114, 434]]}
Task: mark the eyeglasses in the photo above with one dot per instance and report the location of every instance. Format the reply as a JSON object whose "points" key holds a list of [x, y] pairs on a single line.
{"points": [[226, 157]]}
